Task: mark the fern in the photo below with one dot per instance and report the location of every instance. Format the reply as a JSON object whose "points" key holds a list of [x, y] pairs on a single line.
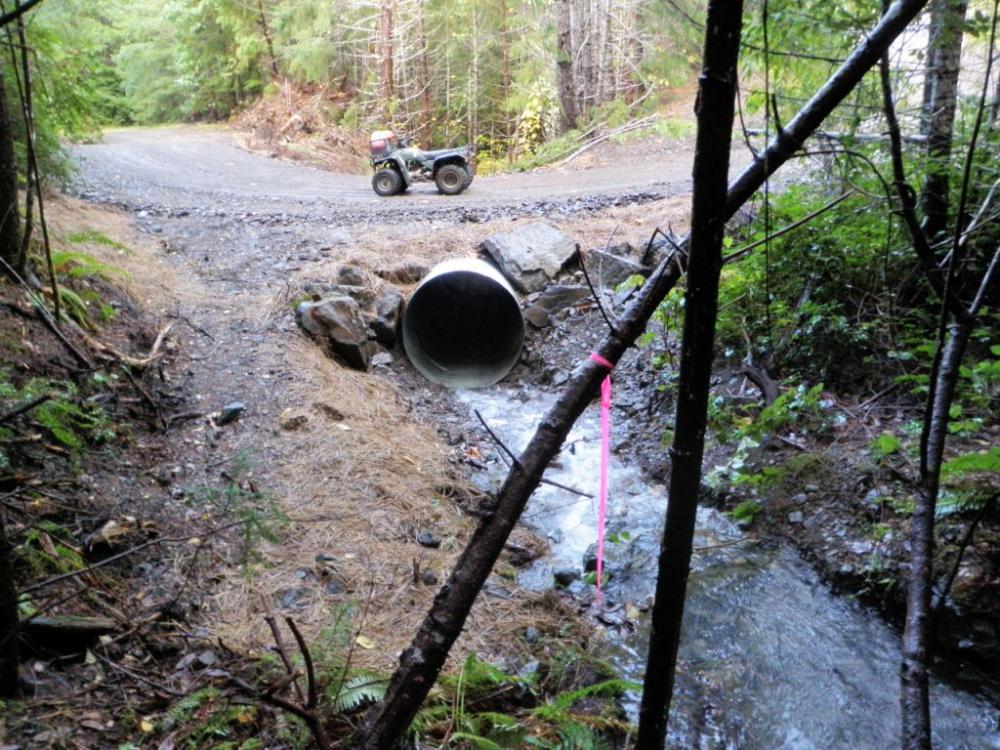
{"points": [[973, 463], [579, 737], [474, 740], [604, 689], [81, 265], [363, 688], [183, 710]]}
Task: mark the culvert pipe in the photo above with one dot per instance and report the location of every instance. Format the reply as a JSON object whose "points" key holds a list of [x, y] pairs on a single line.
{"points": [[462, 326]]}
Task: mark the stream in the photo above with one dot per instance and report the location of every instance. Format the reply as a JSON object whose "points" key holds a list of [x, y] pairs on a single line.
{"points": [[770, 658]]}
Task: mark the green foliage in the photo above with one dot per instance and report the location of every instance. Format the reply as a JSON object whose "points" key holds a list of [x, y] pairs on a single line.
{"points": [[362, 688], [76, 422], [747, 511], [257, 514], [206, 718], [885, 445], [986, 462], [552, 725]]}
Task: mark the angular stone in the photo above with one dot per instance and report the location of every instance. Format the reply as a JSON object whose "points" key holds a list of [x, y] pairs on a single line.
{"points": [[350, 275], [555, 297], [409, 273], [231, 412], [531, 256], [608, 271], [336, 322], [387, 318], [428, 539], [795, 516]]}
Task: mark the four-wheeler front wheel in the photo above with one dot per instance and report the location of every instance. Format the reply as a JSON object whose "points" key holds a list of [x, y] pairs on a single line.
{"points": [[452, 179], [387, 182]]}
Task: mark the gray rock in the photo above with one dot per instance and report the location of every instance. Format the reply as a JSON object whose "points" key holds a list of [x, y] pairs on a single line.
{"points": [[846, 569], [294, 598], [624, 250], [381, 359], [231, 412], [428, 539], [333, 587], [654, 252], [565, 576], [800, 499], [608, 271], [409, 273], [531, 256], [795, 516], [388, 314], [555, 297], [532, 634], [350, 275], [428, 578], [337, 324], [861, 548]]}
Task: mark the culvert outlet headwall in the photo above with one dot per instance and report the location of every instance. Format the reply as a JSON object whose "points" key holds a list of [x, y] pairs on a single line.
{"points": [[463, 326]]}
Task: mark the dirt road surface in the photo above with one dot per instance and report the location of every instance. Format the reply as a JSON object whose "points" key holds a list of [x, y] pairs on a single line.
{"points": [[191, 168]]}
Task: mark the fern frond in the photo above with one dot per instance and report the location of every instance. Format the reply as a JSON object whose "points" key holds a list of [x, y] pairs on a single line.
{"points": [[362, 688]]}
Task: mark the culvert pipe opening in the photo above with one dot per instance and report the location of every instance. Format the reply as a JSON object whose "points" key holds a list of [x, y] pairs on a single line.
{"points": [[463, 326]]}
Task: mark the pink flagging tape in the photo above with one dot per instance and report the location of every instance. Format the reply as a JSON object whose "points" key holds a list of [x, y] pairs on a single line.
{"points": [[602, 504]]}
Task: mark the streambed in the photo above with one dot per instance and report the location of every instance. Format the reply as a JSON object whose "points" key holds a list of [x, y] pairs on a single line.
{"points": [[771, 659]]}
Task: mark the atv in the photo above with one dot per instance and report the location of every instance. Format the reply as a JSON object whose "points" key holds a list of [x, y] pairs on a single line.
{"points": [[398, 165]]}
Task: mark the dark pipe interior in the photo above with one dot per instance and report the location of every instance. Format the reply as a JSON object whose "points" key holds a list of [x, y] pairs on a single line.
{"points": [[463, 329]]}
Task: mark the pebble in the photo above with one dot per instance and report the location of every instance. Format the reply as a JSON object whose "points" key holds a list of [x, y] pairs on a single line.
{"points": [[428, 539], [294, 598], [231, 412], [428, 578], [795, 516]]}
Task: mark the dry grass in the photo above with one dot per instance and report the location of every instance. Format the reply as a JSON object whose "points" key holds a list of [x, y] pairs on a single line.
{"points": [[84, 228], [363, 480], [430, 243]]}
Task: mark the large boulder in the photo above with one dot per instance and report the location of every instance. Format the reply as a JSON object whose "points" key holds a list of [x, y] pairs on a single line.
{"points": [[336, 322], [531, 256], [608, 271]]}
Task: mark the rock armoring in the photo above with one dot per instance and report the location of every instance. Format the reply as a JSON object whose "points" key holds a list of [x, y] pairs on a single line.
{"points": [[531, 256], [337, 324]]}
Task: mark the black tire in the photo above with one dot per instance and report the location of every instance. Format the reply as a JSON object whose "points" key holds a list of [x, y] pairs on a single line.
{"points": [[387, 182], [452, 179]]}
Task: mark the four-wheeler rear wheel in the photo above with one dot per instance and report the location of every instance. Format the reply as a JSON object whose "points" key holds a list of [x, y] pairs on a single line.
{"points": [[452, 179], [387, 182]]}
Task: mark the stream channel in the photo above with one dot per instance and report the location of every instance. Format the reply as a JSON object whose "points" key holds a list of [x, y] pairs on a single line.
{"points": [[770, 658]]}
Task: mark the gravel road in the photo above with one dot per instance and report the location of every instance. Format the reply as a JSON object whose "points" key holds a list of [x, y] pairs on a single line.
{"points": [[202, 169]]}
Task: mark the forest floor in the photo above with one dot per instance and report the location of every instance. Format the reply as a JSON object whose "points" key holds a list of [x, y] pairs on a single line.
{"points": [[334, 474]]}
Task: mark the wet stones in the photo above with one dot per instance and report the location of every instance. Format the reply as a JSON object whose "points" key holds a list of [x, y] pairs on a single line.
{"points": [[531, 256]]}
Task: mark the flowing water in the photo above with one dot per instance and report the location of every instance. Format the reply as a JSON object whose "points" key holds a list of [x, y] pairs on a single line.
{"points": [[770, 659]]}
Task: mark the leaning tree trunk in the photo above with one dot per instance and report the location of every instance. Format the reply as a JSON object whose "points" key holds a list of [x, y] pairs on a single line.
{"points": [[944, 57], [715, 111], [9, 623], [11, 249], [564, 65], [421, 662]]}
